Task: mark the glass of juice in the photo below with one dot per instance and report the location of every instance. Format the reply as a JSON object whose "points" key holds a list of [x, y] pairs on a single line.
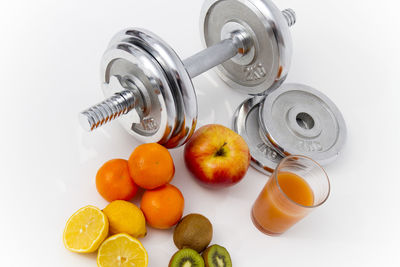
{"points": [[297, 186]]}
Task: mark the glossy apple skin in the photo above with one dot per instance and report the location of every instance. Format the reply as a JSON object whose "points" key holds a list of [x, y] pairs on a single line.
{"points": [[217, 156]]}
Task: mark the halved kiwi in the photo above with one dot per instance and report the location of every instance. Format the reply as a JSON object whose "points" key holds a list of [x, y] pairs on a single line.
{"points": [[186, 258], [217, 256]]}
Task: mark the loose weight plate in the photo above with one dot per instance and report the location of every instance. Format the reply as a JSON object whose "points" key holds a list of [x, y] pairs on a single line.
{"points": [[299, 120], [246, 123]]}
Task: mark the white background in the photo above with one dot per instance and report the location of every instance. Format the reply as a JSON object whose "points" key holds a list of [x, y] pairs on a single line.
{"points": [[49, 71]]}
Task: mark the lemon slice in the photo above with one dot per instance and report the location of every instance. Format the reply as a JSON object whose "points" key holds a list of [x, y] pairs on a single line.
{"points": [[122, 250], [85, 230]]}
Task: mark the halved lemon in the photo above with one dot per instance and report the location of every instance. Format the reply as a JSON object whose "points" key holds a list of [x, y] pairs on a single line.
{"points": [[122, 250], [85, 230]]}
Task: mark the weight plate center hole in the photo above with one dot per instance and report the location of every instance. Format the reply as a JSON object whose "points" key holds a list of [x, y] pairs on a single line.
{"points": [[305, 121]]}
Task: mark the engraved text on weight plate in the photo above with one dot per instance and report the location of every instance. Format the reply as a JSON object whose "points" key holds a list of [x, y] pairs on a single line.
{"points": [[149, 124], [255, 72], [268, 152], [310, 146]]}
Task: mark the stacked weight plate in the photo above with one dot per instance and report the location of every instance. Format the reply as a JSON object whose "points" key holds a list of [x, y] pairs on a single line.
{"points": [[140, 58], [294, 119]]}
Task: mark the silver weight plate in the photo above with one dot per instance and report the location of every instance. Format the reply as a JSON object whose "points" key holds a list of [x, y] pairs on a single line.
{"points": [[138, 67], [299, 120], [271, 38], [179, 80], [246, 123]]}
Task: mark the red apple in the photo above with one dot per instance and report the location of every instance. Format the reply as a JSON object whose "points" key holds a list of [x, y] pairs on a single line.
{"points": [[217, 156]]}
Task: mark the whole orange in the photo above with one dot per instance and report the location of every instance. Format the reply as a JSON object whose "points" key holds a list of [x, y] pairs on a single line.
{"points": [[151, 166], [163, 207], [114, 182]]}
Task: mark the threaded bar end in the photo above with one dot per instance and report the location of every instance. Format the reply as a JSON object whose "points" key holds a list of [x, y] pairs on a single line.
{"points": [[290, 16], [108, 110]]}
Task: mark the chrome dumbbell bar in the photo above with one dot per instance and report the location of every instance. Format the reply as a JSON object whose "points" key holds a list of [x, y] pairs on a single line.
{"points": [[123, 102]]}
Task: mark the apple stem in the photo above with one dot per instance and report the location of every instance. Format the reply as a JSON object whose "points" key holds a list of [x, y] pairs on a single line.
{"points": [[221, 151]]}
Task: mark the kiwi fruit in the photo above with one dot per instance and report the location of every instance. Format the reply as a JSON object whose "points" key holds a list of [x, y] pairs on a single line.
{"points": [[193, 231], [186, 258], [217, 256]]}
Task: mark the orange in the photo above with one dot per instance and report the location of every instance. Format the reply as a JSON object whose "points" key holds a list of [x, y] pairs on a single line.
{"points": [[163, 207], [151, 166], [114, 182]]}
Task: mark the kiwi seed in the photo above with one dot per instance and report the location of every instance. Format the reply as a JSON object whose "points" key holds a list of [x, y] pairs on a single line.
{"points": [[217, 256], [186, 258]]}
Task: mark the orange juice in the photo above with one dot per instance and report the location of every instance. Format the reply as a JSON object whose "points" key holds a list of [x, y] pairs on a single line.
{"points": [[283, 202]]}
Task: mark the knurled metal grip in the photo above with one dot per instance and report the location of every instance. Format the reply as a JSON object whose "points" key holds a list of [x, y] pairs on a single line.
{"points": [[149, 88]]}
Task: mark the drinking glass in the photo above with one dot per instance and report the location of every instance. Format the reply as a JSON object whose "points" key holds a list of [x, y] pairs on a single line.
{"points": [[297, 186]]}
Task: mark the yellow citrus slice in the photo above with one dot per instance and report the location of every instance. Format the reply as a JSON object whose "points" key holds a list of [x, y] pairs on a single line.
{"points": [[122, 250], [85, 230]]}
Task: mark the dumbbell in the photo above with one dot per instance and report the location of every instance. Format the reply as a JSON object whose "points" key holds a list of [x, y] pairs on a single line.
{"points": [[149, 88]]}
